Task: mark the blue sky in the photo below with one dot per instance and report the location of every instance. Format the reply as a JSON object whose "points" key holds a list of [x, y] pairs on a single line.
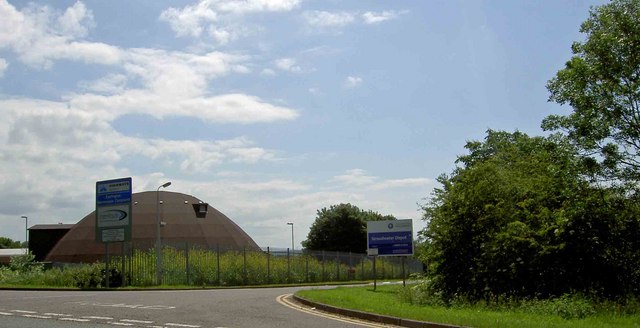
{"points": [[267, 109]]}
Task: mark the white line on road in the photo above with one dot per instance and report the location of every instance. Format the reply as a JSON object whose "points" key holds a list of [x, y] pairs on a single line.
{"points": [[5, 313], [115, 323], [58, 314], [180, 325], [284, 300], [97, 318], [136, 321], [36, 316], [74, 319], [22, 311]]}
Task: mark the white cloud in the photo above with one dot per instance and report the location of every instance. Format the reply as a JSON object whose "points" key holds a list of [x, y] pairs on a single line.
{"points": [[39, 36], [218, 16], [288, 64], [110, 84], [245, 6], [370, 17], [355, 177], [328, 19], [352, 82], [403, 183], [359, 178], [268, 72], [76, 20], [188, 21], [3, 66]]}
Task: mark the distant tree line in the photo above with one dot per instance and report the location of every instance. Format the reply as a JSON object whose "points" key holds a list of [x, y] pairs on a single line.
{"points": [[9, 243], [525, 216], [341, 228]]}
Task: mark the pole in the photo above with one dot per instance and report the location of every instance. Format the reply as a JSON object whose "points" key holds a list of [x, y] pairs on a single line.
{"points": [[292, 243], [404, 279], [158, 251], [375, 276], [26, 231]]}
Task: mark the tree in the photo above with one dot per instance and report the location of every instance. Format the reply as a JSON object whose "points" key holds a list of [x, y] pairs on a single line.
{"points": [[9, 243], [341, 228], [602, 84], [516, 218]]}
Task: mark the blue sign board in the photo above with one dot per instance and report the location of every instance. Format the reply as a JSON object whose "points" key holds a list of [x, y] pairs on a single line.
{"points": [[113, 210], [113, 192], [390, 238]]}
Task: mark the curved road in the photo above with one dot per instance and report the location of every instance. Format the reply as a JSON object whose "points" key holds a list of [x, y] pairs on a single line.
{"points": [[260, 307]]}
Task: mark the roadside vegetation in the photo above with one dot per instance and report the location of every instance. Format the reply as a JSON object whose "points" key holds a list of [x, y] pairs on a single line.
{"points": [[412, 302], [540, 231], [201, 268]]}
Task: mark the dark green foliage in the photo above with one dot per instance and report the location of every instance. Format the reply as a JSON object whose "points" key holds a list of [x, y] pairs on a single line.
{"points": [[517, 219], [87, 276], [341, 228], [601, 82], [9, 243], [24, 263]]}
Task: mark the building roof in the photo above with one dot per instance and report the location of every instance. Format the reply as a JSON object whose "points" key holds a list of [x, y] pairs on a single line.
{"points": [[59, 226], [12, 251], [7, 253], [185, 226]]}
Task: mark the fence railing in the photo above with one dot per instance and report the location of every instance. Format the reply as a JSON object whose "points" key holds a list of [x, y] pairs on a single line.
{"points": [[184, 264]]}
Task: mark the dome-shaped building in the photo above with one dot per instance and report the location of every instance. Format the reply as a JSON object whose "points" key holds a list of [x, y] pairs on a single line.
{"points": [[187, 221]]}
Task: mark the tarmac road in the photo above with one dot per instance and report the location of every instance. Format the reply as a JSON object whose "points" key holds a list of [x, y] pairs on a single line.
{"points": [[228, 308]]}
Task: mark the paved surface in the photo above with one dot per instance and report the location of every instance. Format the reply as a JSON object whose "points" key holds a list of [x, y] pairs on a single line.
{"points": [[154, 309]]}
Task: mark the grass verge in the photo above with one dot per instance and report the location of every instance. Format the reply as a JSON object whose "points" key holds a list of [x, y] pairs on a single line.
{"points": [[386, 300]]}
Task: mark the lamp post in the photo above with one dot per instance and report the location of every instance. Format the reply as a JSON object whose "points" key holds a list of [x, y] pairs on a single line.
{"points": [[291, 224], [26, 230], [158, 252]]}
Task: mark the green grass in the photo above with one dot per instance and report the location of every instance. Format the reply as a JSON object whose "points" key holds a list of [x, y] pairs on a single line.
{"points": [[386, 300]]}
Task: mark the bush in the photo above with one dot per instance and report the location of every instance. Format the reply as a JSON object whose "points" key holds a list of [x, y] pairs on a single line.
{"points": [[86, 276]]}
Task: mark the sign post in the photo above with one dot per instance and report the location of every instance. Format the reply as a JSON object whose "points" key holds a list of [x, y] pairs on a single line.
{"points": [[390, 238], [113, 214]]}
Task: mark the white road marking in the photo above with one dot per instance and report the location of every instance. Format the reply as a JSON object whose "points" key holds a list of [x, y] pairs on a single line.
{"points": [[58, 314], [74, 319], [283, 299], [22, 311], [115, 323], [37, 316], [180, 325], [97, 318], [136, 321], [5, 313], [130, 306]]}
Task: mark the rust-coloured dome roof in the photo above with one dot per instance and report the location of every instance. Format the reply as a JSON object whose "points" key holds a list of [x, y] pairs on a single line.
{"points": [[183, 226]]}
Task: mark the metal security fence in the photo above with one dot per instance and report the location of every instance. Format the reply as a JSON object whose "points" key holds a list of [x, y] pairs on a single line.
{"points": [[193, 265]]}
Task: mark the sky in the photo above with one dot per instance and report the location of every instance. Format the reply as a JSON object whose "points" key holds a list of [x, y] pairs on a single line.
{"points": [[268, 110]]}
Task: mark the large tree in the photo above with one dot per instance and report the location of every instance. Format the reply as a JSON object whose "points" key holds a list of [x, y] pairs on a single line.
{"points": [[341, 228], [516, 218], [601, 82]]}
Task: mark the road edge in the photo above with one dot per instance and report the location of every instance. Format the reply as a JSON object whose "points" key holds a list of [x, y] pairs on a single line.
{"points": [[373, 317]]}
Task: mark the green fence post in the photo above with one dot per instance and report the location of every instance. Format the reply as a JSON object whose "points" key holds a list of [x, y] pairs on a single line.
{"points": [[186, 261], [322, 266], [218, 261], [288, 266], [268, 265], [244, 264]]}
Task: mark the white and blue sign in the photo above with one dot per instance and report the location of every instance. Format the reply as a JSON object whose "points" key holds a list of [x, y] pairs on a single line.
{"points": [[113, 210], [390, 238]]}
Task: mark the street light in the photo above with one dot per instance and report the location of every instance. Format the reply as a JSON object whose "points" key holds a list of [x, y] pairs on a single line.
{"points": [[158, 252], [291, 224], [26, 231]]}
